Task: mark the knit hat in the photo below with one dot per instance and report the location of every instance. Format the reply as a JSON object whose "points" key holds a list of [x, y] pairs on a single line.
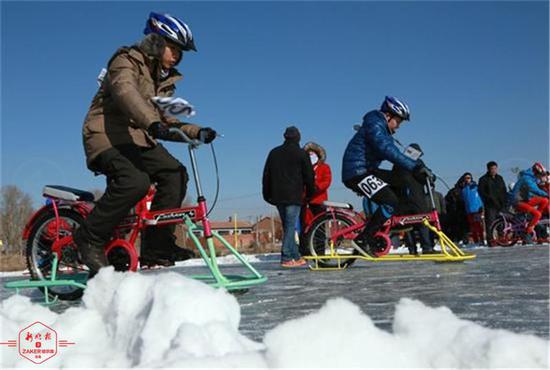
{"points": [[292, 134]]}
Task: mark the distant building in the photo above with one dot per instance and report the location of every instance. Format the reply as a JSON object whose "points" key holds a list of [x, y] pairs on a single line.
{"points": [[246, 236], [268, 230]]}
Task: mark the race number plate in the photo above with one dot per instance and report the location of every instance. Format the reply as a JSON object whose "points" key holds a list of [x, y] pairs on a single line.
{"points": [[371, 185]]}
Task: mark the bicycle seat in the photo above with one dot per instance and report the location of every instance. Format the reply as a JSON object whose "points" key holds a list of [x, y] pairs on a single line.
{"points": [[327, 203], [66, 193]]}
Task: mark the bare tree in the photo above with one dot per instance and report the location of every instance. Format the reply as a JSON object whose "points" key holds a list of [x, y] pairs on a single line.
{"points": [[15, 211]]}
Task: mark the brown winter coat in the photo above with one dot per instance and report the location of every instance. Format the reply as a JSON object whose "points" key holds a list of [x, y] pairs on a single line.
{"points": [[122, 109]]}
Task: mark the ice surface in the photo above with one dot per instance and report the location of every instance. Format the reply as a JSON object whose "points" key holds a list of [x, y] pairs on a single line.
{"points": [[403, 315]]}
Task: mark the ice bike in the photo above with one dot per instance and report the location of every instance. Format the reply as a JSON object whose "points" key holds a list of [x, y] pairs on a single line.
{"points": [[53, 260], [331, 233], [509, 228]]}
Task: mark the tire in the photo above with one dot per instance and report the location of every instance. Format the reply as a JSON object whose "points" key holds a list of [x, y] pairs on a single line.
{"points": [[543, 229], [317, 239], [39, 252], [120, 259], [502, 236]]}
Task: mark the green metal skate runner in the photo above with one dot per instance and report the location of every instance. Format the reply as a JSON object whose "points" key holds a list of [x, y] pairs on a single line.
{"points": [[53, 260]]}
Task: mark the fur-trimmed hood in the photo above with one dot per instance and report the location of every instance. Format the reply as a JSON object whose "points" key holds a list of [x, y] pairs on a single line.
{"points": [[152, 45], [318, 149]]}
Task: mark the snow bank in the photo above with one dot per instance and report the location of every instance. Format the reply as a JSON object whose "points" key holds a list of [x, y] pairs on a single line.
{"points": [[166, 320], [232, 260], [340, 335], [6, 274], [130, 320], [224, 260]]}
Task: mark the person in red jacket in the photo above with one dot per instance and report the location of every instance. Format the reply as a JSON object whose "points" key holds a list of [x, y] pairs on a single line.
{"points": [[323, 178]]}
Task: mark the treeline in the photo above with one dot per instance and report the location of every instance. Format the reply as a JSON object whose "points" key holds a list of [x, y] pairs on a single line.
{"points": [[15, 210]]}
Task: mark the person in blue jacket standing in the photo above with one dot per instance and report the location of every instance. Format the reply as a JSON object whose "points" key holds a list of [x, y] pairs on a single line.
{"points": [[474, 207], [372, 144]]}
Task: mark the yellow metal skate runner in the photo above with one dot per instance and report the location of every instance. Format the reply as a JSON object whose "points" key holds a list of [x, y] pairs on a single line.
{"points": [[335, 260]]}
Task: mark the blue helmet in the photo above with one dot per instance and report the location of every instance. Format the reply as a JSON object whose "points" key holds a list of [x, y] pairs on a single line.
{"points": [[396, 107], [172, 29]]}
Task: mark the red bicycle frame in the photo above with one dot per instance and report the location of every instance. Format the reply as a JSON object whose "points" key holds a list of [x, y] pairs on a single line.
{"points": [[394, 222], [58, 230], [139, 218]]}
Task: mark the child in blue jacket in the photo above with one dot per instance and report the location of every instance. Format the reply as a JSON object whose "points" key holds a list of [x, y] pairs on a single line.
{"points": [[474, 207]]}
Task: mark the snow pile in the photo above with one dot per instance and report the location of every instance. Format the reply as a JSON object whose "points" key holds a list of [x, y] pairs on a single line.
{"points": [[130, 320], [166, 320], [7, 274], [224, 260], [232, 260], [340, 335]]}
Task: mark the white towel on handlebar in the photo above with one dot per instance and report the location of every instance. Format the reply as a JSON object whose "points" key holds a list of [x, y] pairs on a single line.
{"points": [[174, 106]]}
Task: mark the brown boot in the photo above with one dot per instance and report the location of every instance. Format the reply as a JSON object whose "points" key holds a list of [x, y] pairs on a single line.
{"points": [[91, 254]]}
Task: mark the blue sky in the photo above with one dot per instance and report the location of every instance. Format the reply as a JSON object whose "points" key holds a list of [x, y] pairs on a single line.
{"points": [[475, 75]]}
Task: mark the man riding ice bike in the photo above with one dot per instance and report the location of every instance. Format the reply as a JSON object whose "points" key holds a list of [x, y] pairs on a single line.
{"points": [[527, 197], [120, 133], [372, 144]]}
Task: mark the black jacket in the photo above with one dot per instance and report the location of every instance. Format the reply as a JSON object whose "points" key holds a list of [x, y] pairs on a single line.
{"points": [[492, 191], [454, 203], [287, 173]]}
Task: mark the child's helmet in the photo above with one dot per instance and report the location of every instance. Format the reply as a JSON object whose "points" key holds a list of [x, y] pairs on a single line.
{"points": [[395, 106], [171, 28], [538, 169]]}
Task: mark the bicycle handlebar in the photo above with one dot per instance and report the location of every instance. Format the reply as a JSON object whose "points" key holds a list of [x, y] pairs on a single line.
{"points": [[186, 139]]}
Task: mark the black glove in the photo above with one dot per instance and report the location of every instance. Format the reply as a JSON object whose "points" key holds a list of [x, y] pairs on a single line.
{"points": [[207, 135], [159, 130], [421, 173]]}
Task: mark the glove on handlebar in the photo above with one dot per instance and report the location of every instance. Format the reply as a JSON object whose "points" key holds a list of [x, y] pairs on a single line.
{"points": [[207, 135], [159, 130], [421, 173]]}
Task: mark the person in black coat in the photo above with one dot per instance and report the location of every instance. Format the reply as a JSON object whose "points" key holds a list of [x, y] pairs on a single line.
{"points": [[456, 222], [287, 174], [412, 199], [492, 190]]}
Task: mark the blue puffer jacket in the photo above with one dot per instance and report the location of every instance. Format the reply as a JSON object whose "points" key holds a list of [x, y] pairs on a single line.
{"points": [[371, 145], [526, 188], [471, 197]]}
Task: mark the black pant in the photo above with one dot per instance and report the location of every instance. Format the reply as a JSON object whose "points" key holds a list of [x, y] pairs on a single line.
{"points": [[385, 198], [424, 236], [130, 170], [491, 214], [402, 195], [412, 198]]}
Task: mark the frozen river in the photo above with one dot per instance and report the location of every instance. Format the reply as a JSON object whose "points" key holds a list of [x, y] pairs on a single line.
{"points": [[504, 288]]}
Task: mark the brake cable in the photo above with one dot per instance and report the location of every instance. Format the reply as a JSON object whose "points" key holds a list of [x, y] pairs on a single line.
{"points": [[217, 179]]}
